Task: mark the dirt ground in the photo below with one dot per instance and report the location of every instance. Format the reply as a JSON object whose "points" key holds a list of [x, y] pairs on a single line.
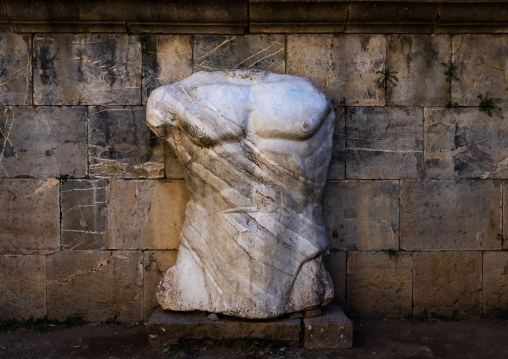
{"points": [[469, 337]]}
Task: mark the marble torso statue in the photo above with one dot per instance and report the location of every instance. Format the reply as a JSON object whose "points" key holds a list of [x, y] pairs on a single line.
{"points": [[256, 148]]}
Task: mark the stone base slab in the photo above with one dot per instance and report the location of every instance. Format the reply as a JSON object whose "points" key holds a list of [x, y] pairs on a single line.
{"points": [[331, 330]]}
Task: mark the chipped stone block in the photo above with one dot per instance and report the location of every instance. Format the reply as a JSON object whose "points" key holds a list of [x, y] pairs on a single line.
{"points": [[120, 144], [84, 207], [156, 263], [451, 215], [384, 143], [15, 69], [331, 330], [43, 141], [167, 327], [97, 284], [173, 168], [166, 59], [447, 281], [87, 69], [343, 66], [464, 143], [263, 52], [362, 215], [482, 62], [23, 283], [336, 266], [337, 167], [379, 284], [495, 281], [417, 60], [146, 214], [30, 216]]}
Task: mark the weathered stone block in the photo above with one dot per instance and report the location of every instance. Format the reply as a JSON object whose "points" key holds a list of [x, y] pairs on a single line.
{"points": [[167, 327], [505, 208], [495, 281], [166, 59], [417, 60], [23, 283], [331, 330], [482, 62], [146, 214], [172, 166], [263, 52], [362, 215], [100, 285], [343, 66], [87, 69], [121, 144], [337, 169], [84, 207], [15, 69], [42, 141], [384, 143], [156, 263], [379, 284], [336, 266], [460, 215], [464, 143], [30, 216], [447, 281]]}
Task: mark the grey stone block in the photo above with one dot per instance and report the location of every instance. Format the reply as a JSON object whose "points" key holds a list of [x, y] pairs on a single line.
{"points": [[417, 60], [331, 330], [43, 141], [120, 144], [167, 327], [362, 215], [505, 209], [447, 281], [379, 284], [15, 69], [146, 214], [465, 143], [337, 169], [451, 215], [87, 69], [166, 59], [343, 66], [495, 281], [23, 283], [84, 207], [30, 216], [336, 265], [172, 166], [482, 62], [263, 52], [384, 143], [97, 284]]}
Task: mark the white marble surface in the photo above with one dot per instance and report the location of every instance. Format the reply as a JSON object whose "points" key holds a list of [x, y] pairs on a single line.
{"points": [[256, 147]]}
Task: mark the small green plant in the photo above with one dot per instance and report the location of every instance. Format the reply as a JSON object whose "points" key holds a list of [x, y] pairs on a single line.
{"points": [[451, 34], [451, 104], [451, 71], [337, 34], [387, 78], [113, 321], [141, 38], [392, 254], [422, 318], [502, 239], [488, 104], [63, 178], [445, 318]]}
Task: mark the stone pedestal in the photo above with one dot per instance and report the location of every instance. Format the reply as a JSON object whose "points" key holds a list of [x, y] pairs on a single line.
{"points": [[331, 330]]}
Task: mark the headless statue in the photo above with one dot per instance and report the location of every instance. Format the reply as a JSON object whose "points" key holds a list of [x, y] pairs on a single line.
{"points": [[256, 148]]}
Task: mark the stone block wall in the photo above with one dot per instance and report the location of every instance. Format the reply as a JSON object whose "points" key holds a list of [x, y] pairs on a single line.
{"points": [[415, 204]]}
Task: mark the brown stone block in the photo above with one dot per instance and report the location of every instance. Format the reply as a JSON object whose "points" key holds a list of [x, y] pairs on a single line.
{"points": [[452, 215], [15, 69], [120, 144], [362, 215], [30, 216], [482, 62], [336, 265], [337, 169], [505, 209], [84, 214], [263, 52], [495, 281], [87, 69], [99, 285], [331, 330], [384, 143], [447, 281], [172, 166], [43, 141], [146, 214], [464, 143], [23, 283], [167, 327], [379, 284], [156, 263], [417, 60], [166, 59]]}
